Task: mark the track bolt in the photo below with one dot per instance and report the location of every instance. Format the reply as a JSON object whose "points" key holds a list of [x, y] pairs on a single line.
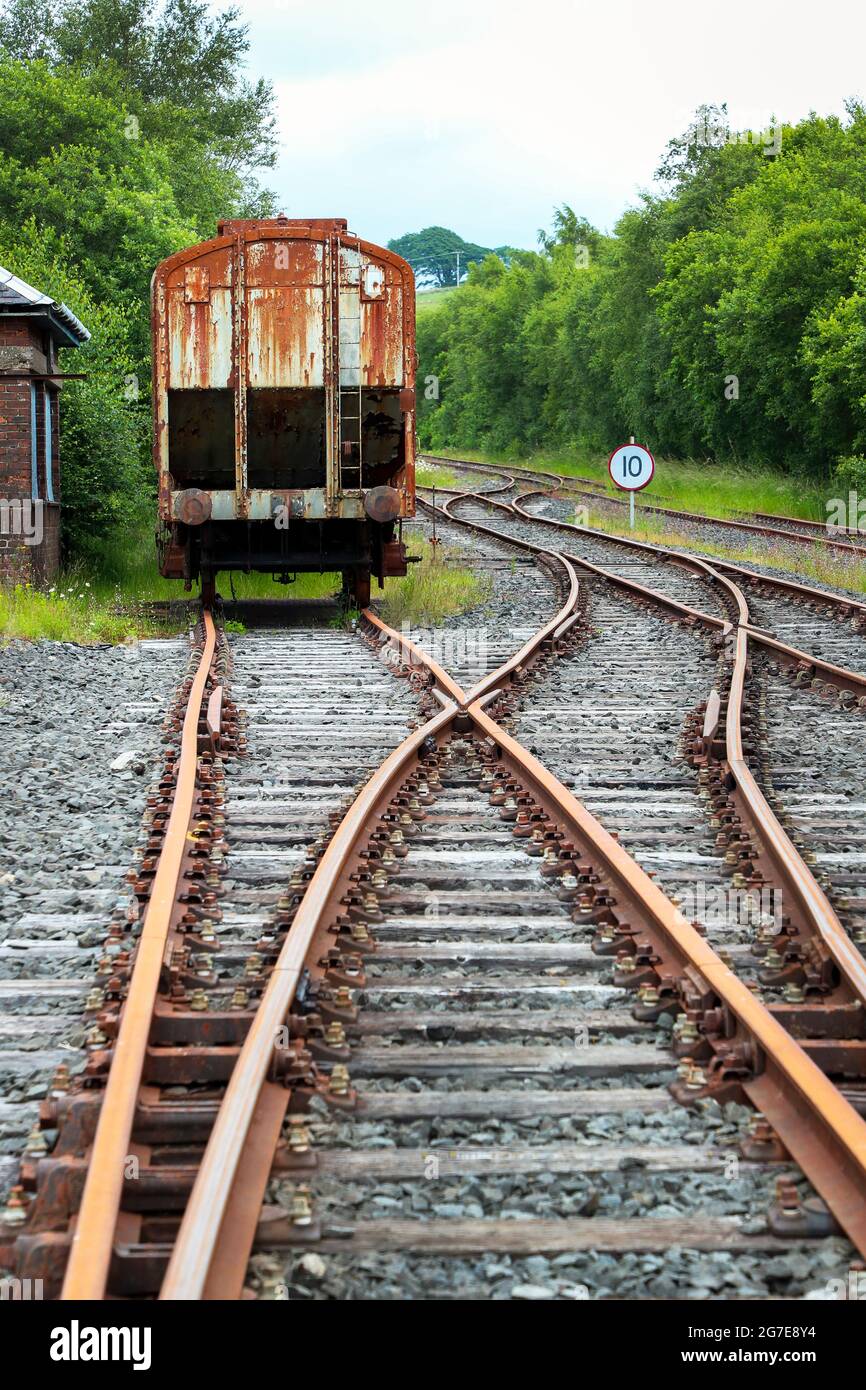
{"points": [[793, 993], [338, 1081], [300, 1208], [648, 995], [198, 1001], [253, 965], [335, 1034], [358, 932], [694, 1076], [549, 866], [379, 879], [685, 1029], [15, 1211], [95, 1039], [94, 1001], [36, 1143], [60, 1080], [240, 998], [206, 932], [567, 888], [762, 1142], [298, 1138]]}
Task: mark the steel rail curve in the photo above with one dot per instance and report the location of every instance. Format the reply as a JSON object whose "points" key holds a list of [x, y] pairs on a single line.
{"points": [[762, 528], [92, 1240], [819, 1127]]}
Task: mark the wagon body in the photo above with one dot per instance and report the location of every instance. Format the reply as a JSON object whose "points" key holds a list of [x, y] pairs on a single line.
{"points": [[284, 402]]}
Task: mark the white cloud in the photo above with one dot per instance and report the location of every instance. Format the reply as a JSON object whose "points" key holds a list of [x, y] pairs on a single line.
{"points": [[484, 118]]}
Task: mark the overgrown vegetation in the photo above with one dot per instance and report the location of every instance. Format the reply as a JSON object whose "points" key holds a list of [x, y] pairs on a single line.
{"points": [[818, 563], [725, 318], [714, 490], [127, 128], [434, 589]]}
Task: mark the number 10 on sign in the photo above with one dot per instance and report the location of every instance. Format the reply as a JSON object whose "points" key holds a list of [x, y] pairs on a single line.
{"points": [[631, 467]]}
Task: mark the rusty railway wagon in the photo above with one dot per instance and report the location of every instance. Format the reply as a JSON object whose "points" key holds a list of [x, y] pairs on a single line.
{"points": [[284, 404]]}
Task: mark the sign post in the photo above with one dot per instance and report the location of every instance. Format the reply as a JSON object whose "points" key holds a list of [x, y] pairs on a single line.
{"points": [[631, 467]]}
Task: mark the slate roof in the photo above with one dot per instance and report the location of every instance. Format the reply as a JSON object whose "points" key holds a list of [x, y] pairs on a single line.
{"points": [[17, 297]]}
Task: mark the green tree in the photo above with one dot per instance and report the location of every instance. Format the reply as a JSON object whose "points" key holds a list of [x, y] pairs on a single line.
{"points": [[106, 478], [435, 254]]}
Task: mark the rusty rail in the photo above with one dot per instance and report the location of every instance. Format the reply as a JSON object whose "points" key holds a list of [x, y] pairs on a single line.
{"points": [[203, 1261], [757, 527], [92, 1240], [818, 1126], [792, 870]]}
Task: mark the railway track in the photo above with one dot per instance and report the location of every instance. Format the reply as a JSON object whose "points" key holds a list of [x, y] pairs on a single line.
{"points": [[780, 532], [455, 1041]]}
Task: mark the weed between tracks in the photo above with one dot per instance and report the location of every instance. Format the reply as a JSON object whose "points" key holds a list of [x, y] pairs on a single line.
{"points": [[107, 599], [809, 562], [434, 589], [432, 475], [714, 489], [104, 598]]}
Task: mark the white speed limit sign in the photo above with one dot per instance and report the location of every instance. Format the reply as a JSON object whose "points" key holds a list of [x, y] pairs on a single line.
{"points": [[631, 467]]}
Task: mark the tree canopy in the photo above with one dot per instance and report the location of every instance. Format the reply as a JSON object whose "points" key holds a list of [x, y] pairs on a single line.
{"points": [[126, 131], [438, 255], [724, 318]]}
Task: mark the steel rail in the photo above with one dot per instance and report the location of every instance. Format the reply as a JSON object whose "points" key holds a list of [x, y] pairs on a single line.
{"points": [[786, 1075], [792, 870], [418, 658], [639, 590], [193, 1270], [190, 1270], [854, 606], [195, 1246], [839, 674], [848, 548], [721, 566], [93, 1236], [836, 675]]}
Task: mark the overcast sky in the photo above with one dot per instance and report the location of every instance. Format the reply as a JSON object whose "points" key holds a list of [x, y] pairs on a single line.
{"points": [[483, 115]]}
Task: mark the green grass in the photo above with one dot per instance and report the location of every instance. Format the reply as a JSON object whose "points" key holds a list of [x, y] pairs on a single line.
{"points": [[425, 300], [105, 600], [810, 562], [72, 611], [431, 475], [434, 589], [713, 489], [102, 600]]}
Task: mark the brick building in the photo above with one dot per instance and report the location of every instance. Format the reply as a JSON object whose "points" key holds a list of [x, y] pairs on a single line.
{"points": [[32, 329]]}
